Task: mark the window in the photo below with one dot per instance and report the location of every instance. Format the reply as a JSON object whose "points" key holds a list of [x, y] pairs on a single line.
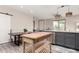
{"points": [[59, 25], [55, 25]]}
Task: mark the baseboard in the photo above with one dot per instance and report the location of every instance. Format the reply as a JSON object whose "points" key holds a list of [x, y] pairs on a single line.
{"points": [[4, 42]]}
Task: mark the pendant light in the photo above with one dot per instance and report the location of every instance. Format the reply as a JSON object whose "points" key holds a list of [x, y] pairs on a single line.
{"points": [[57, 15], [68, 14]]}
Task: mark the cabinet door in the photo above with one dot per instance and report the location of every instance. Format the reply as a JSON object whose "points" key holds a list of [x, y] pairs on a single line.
{"points": [[59, 38], [77, 41], [70, 40]]}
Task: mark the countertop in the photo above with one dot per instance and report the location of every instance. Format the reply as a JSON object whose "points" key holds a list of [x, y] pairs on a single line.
{"points": [[60, 31]]}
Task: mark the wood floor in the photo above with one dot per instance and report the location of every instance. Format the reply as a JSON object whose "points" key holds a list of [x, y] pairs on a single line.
{"points": [[12, 48]]}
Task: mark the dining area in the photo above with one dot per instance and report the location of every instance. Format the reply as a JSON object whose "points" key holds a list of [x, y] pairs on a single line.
{"points": [[32, 42], [16, 37]]}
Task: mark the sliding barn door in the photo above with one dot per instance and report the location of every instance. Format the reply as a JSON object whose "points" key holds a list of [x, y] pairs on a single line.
{"points": [[4, 28]]}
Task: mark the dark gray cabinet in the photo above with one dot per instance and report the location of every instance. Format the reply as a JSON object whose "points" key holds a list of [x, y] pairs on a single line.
{"points": [[77, 41], [69, 40], [66, 39], [59, 38]]}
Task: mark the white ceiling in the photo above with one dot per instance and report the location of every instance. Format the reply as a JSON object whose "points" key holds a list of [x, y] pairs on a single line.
{"points": [[45, 11]]}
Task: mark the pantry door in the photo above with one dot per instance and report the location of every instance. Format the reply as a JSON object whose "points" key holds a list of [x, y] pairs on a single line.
{"points": [[4, 28]]}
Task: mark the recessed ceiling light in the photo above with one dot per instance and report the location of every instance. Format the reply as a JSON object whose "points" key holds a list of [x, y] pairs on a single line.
{"points": [[21, 6], [31, 11]]}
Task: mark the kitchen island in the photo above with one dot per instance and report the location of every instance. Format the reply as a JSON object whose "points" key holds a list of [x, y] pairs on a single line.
{"points": [[35, 38]]}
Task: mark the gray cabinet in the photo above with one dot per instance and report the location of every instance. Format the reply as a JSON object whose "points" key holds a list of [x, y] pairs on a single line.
{"points": [[66, 39], [77, 41], [59, 38], [69, 40]]}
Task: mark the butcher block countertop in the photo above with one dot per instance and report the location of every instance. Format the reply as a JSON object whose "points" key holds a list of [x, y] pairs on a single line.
{"points": [[37, 39], [37, 35]]}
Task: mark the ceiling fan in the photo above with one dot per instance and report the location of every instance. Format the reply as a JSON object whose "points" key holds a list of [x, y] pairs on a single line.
{"points": [[6, 13]]}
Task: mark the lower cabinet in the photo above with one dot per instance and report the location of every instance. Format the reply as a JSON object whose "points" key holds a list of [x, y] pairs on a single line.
{"points": [[69, 40], [77, 41], [66, 39], [59, 38]]}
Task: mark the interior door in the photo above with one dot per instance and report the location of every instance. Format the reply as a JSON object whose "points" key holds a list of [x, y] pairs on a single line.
{"points": [[4, 28]]}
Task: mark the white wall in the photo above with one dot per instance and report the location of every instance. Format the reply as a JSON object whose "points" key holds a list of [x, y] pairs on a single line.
{"points": [[19, 20], [71, 23]]}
